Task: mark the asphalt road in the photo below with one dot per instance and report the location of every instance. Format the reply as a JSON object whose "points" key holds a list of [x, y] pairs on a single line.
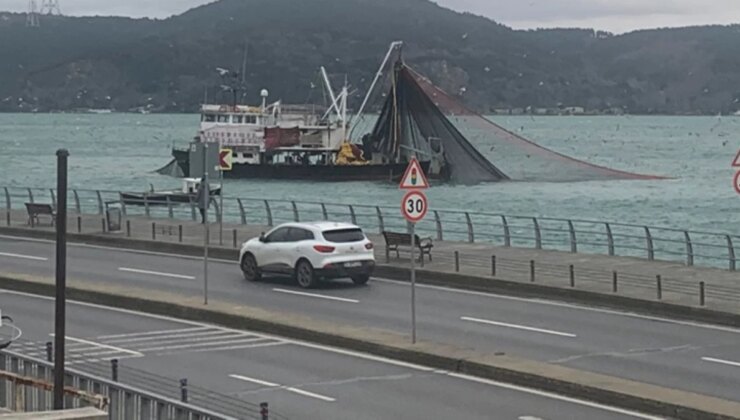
{"points": [[677, 354], [299, 380]]}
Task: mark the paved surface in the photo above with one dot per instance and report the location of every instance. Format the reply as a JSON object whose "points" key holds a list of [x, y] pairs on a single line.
{"points": [[682, 355], [300, 381], [636, 277]]}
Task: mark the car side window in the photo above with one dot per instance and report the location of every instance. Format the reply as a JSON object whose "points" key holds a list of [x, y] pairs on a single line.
{"points": [[298, 234], [280, 235]]}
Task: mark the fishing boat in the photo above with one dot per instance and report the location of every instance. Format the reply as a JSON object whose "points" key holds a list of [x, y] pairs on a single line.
{"points": [[186, 194]]}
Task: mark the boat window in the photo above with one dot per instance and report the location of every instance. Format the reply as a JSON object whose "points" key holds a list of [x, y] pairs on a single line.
{"points": [[237, 119], [209, 118], [223, 118], [250, 119]]}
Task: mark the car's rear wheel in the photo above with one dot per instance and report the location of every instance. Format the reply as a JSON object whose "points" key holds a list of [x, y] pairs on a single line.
{"points": [[305, 275], [361, 279], [250, 268]]}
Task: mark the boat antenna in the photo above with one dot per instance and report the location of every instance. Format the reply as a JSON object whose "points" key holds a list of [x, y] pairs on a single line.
{"points": [[244, 61]]}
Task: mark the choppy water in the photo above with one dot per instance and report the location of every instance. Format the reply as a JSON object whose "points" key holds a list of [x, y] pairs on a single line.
{"points": [[121, 151]]}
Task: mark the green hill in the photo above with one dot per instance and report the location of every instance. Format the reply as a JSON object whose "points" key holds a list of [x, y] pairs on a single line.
{"points": [[167, 65]]}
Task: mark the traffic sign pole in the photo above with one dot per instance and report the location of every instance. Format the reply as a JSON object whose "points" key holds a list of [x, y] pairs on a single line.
{"points": [[413, 284], [221, 211], [207, 232]]}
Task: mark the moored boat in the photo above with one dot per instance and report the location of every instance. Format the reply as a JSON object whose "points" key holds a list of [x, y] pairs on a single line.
{"points": [[186, 194]]}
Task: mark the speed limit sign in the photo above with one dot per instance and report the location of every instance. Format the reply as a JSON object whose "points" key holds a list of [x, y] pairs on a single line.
{"points": [[414, 206]]}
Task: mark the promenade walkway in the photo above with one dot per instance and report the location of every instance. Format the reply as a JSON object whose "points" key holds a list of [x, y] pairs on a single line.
{"points": [[668, 282]]}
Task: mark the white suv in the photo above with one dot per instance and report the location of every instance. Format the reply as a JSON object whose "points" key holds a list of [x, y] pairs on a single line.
{"points": [[309, 252]]}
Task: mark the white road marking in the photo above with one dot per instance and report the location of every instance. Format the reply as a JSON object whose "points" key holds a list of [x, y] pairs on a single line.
{"points": [[564, 305], [23, 257], [530, 418], [155, 273], [358, 355], [137, 334], [722, 361], [92, 343], [199, 335], [311, 394], [553, 396], [212, 349], [287, 388], [218, 336], [253, 380], [189, 346], [314, 295], [516, 326]]}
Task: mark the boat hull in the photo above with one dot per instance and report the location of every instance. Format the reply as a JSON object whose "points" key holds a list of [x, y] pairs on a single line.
{"points": [[328, 173], [160, 199]]}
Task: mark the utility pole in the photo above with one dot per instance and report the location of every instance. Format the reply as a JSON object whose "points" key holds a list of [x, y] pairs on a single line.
{"points": [[61, 279]]}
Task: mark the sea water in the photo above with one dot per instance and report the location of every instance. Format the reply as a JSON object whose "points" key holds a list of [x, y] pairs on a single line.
{"points": [[122, 152]]}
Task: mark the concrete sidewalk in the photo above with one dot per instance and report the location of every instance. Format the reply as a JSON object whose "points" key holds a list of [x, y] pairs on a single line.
{"points": [[633, 278]]}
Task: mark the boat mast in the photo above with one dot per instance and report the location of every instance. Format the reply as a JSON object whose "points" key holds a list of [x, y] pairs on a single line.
{"points": [[393, 47]]}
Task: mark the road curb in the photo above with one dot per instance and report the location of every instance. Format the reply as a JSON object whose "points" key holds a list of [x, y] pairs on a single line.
{"points": [[548, 377], [447, 279]]}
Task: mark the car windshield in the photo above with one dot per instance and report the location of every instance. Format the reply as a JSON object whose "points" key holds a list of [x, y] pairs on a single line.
{"points": [[344, 235]]}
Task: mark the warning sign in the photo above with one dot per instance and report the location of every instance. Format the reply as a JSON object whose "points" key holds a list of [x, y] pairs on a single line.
{"points": [[414, 178], [224, 159]]}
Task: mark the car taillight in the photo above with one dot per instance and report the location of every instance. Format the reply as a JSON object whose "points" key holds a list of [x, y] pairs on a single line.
{"points": [[324, 249], [369, 245]]}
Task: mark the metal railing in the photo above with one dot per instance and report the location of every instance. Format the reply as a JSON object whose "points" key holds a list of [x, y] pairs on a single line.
{"points": [[690, 247], [26, 385]]}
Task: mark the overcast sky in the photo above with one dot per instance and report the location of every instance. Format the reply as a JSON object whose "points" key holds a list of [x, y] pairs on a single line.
{"points": [[613, 15]]}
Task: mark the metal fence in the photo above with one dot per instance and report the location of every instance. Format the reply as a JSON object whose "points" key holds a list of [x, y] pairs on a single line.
{"points": [[574, 235], [26, 385]]}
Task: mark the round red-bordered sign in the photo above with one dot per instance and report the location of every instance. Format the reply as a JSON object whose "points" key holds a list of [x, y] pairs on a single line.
{"points": [[414, 206], [736, 182]]}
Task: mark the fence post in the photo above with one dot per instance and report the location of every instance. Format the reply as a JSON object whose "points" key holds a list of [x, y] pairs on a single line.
{"points": [[438, 224], [324, 213], [507, 233], [179, 233], [123, 203], [100, 202], [264, 411], [493, 266], [471, 234], [49, 351], [572, 272], [352, 215], [184, 390], [457, 261], [53, 198], [30, 195], [235, 237], [146, 204], [102, 224], [730, 252], [154, 231], [170, 211], [659, 286], [573, 239], [128, 228], [537, 234], [7, 205], [609, 239], [531, 271], [242, 214], [78, 208], [114, 370], [269, 213], [701, 293], [614, 281], [381, 224], [295, 212], [689, 249], [649, 239]]}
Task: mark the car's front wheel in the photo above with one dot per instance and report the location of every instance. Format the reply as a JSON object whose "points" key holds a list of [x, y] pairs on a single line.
{"points": [[361, 279], [305, 275], [250, 269]]}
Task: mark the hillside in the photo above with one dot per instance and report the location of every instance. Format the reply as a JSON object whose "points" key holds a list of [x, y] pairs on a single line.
{"points": [[167, 65]]}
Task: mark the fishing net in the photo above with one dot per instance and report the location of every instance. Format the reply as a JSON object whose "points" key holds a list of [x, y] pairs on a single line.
{"points": [[513, 155]]}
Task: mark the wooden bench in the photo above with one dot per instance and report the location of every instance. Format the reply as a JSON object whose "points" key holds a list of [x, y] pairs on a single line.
{"points": [[37, 209], [395, 240]]}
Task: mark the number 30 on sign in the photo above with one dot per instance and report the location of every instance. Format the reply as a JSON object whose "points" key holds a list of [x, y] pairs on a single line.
{"points": [[414, 206]]}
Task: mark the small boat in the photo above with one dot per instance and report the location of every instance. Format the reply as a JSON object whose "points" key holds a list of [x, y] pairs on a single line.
{"points": [[186, 194]]}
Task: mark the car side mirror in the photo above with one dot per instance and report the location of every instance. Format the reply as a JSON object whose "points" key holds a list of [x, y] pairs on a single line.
{"points": [[262, 237]]}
